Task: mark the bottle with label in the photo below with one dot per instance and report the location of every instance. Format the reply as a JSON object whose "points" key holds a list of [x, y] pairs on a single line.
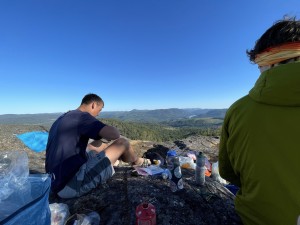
{"points": [[200, 169], [175, 176]]}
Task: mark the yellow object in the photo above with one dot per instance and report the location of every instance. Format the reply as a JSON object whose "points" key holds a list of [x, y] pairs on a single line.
{"points": [[186, 166], [156, 162]]}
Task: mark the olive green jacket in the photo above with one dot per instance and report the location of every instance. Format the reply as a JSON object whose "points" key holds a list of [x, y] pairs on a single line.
{"points": [[260, 148]]}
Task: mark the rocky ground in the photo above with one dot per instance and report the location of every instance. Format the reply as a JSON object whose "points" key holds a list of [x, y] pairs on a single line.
{"points": [[117, 199]]}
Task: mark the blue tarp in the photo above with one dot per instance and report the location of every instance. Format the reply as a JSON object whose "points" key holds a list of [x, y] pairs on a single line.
{"points": [[35, 140], [34, 211]]}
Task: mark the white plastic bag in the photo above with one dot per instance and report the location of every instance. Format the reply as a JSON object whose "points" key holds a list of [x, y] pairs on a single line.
{"points": [[92, 218], [186, 162], [59, 213], [14, 173]]}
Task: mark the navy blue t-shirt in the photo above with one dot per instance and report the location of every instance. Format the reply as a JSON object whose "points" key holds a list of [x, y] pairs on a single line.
{"points": [[66, 147]]}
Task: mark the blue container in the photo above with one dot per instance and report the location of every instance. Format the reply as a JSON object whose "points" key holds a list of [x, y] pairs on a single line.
{"points": [[175, 176]]}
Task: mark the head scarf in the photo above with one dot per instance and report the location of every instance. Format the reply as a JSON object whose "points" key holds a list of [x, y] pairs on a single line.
{"points": [[278, 53]]}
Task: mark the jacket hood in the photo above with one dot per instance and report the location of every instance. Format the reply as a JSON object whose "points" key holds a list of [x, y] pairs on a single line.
{"points": [[278, 86]]}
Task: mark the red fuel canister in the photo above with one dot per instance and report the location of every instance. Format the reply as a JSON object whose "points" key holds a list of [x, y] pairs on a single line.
{"points": [[145, 214]]}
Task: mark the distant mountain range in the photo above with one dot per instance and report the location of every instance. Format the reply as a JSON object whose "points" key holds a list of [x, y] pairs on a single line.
{"points": [[162, 115], [45, 119], [145, 116]]}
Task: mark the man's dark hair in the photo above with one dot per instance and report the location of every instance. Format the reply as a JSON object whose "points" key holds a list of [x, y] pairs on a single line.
{"points": [[282, 31], [89, 98]]}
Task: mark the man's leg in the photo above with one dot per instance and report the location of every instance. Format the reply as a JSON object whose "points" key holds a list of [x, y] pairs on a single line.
{"points": [[121, 149], [99, 168], [98, 146], [95, 171]]}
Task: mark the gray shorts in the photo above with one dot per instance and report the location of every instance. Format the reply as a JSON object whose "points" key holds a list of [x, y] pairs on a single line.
{"points": [[95, 171]]}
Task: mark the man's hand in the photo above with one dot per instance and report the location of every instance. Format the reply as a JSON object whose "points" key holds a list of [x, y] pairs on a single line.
{"points": [[97, 145]]}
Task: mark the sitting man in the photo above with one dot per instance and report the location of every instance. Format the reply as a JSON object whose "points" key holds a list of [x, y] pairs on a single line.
{"points": [[74, 171], [259, 148]]}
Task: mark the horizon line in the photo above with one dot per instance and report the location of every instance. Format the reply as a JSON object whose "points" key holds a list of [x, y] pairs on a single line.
{"points": [[113, 111]]}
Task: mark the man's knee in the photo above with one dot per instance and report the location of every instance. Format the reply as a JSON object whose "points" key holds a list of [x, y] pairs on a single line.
{"points": [[123, 142]]}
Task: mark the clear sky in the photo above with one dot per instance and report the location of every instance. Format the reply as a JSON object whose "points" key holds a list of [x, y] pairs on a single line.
{"points": [[135, 54]]}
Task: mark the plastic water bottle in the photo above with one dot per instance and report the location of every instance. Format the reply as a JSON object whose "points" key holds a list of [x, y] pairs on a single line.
{"points": [[200, 169], [175, 176], [215, 172], [165, 175], [92, 218]]}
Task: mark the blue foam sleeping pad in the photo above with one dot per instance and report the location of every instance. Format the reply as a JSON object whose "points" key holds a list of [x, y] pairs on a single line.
{"points": [[35, 140]]}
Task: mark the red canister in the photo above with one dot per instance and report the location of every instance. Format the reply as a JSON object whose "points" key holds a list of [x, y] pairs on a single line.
{"points": [[145, 214]]}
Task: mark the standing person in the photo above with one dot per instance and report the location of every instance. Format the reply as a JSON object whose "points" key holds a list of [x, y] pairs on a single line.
{"points": [[259, 147], [75, 172]]}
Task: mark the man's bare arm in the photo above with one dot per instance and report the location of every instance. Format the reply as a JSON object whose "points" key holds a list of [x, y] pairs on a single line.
{"points": [[109, 133]]}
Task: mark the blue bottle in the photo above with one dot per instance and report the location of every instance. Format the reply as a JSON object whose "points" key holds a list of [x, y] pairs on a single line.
{"points": [[175, 176]]}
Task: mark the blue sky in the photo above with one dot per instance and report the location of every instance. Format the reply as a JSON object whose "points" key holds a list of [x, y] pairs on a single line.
{"points": [[135, 54]]}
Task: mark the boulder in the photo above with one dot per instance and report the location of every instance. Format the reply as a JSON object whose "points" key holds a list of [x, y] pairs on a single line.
{"points": [[117, 199]]}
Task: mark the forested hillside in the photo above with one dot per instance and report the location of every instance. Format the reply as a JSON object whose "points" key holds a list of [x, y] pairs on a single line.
{"points": [[159, 132], [195, 123], [148, 125], [144, 116], [162, 115]]}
